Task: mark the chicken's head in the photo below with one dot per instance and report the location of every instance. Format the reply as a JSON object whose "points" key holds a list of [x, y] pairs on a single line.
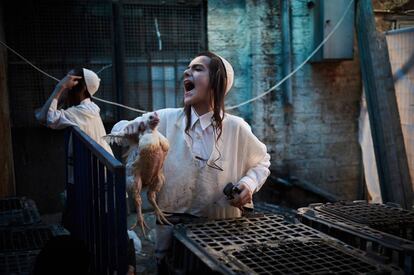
{"points": [[151, 120]]}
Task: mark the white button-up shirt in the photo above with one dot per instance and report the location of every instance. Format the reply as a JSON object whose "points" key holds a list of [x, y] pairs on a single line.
{"points": [[202, 140], [199, 191], [85, 115]]}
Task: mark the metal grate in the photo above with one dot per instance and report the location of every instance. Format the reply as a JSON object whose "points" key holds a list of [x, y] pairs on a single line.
{"points": [[28, 238], [17, 212], [265, 244], [298, 257], [17, 262]]}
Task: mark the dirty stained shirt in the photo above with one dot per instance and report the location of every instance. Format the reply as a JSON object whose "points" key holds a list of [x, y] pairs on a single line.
{"points": [[195, 188]]}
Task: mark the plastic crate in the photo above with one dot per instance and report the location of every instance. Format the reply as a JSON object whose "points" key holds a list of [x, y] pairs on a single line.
{"points": [[366, 226], [265, 244], [303, 257], [28, 237], [384, 217], [20, 262], [18, 212]]}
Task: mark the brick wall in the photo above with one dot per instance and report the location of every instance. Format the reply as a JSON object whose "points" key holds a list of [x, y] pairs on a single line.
{"points": [[319, 143]]}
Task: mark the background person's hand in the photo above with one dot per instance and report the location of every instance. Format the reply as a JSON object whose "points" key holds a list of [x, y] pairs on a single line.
{"points": [[69, 81], [244, 197]]}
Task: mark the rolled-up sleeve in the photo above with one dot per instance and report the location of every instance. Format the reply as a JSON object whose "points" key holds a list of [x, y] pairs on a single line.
{"points": [[257, 175], [58, 119], [257, 160], [120, 126]]}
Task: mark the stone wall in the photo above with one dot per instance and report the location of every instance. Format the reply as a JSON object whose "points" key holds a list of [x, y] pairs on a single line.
{"points": [[318, 142]]}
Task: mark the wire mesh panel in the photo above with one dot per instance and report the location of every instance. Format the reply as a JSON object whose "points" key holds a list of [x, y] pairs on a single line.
{"points": [[56, 36], [161, 37], [265, 244]]}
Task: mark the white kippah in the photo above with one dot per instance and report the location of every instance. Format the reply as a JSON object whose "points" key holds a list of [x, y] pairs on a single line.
{"points": [[229, 73], [92, 81]]}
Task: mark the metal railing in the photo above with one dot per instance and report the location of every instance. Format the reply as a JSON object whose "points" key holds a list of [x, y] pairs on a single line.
{"points": [[96, 203]]}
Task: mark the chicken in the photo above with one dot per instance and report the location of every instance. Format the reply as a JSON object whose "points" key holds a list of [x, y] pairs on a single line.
{"points": [[148, 167], [144, 164]]}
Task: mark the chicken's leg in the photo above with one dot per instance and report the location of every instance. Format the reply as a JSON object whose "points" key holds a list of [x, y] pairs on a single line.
{"points": [[158, 213], [138, 204]]}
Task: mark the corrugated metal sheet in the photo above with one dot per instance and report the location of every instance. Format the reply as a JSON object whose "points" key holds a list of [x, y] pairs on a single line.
{"points": [[401, 52]]}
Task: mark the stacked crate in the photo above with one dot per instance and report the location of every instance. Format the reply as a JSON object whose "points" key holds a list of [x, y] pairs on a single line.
{"points": [[22, 235], [383, 230], [18, 212], [265, 244]]}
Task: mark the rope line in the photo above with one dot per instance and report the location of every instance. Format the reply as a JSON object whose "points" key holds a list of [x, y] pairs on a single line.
{"points": [[227, 108], [300, 66]]}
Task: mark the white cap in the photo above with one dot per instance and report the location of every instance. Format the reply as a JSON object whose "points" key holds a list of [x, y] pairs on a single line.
{"points": [[229, 73], [92, 81]]}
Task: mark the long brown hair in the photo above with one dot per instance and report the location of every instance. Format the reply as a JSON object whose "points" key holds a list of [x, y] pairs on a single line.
{"points": [[217, 86]]}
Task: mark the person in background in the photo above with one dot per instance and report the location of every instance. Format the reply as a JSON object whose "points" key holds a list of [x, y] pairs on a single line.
{"points": [[75, 91]]}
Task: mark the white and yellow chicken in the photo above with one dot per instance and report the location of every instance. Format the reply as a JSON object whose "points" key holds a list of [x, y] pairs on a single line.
{"points": [[145, 165]]}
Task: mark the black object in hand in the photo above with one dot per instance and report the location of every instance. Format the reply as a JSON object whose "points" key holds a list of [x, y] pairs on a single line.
{"points": [[230, 190]]}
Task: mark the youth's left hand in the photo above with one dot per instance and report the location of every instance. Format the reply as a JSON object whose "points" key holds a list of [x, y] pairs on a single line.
{"points": [[244, 197]]}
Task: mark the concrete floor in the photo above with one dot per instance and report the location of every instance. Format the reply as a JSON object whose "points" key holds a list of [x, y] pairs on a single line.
{"points": [[146, 263], [145, 260]]}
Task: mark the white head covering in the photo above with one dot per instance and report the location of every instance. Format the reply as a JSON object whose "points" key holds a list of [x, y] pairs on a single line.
{"points": [[92, 81], [229, 73]]}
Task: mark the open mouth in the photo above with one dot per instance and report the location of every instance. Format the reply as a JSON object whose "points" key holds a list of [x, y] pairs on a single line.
{"points": [[188, 85]]}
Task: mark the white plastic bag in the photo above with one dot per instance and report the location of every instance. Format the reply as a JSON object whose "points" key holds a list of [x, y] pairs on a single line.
{"points": [[137, 242]]}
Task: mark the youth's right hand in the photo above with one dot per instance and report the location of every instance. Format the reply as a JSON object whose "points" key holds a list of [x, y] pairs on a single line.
{"points": [[134, 127]]}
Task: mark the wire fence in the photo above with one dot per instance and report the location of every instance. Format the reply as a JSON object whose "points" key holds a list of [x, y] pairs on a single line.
{"points": [[160, 38]]}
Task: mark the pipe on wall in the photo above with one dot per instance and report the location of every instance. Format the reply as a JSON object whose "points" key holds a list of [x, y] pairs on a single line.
{"points": [[286, 52]]}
